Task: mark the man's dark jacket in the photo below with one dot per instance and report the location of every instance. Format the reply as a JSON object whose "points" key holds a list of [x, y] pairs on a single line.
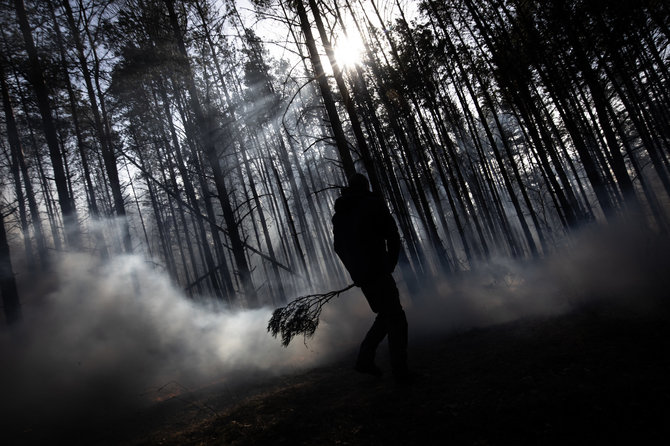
{"points": [[366, 235]]}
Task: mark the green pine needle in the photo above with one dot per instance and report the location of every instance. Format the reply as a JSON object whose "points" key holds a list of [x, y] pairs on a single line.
{"points": [[300, 316]]}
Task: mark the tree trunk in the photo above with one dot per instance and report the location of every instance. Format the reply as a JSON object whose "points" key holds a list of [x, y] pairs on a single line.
{"points": [[36, 76], [207, 129], [327, 95], [10, 294], [108, 155], [18, 168]]}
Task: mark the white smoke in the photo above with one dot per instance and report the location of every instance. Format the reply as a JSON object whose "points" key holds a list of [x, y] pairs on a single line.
{"points": [[622, 266], [110, 334]]}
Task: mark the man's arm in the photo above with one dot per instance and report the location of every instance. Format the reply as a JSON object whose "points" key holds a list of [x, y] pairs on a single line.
{"points": [[392, 237], [343, 249]]}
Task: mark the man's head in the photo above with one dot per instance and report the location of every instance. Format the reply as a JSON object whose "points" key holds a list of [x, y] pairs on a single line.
{"points": [[359, 183]]}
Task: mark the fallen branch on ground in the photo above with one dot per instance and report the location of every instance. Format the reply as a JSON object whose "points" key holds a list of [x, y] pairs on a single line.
{"points": [[300, 316]]}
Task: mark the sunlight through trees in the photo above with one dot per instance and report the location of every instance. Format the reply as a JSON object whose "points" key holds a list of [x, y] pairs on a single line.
{"points": [[211, 136]]}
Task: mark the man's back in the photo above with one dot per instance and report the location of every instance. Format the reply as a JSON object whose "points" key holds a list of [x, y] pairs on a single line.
{"points": [[366, 236]]}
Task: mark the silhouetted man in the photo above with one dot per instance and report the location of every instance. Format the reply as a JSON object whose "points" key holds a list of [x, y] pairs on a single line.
{"points": [[367, 242]]}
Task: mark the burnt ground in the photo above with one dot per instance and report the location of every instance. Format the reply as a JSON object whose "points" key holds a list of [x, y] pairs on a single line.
{"points": [[594, 376]]}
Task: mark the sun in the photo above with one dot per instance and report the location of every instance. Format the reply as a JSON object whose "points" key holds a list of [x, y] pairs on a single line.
{"points": [[348, 51]]}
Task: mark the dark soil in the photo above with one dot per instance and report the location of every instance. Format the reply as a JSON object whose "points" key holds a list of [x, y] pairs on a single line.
{"points": [[597, 376], [591, 377]]}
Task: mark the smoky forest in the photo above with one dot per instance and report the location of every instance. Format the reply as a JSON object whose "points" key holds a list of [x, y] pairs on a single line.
{"points": [[169, 169]]}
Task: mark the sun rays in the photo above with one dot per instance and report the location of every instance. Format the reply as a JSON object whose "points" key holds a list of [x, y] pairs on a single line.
{"points": [[349, 51]]}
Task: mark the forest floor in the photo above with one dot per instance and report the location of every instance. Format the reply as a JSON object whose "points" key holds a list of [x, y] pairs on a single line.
{"points": [[598, 376]]}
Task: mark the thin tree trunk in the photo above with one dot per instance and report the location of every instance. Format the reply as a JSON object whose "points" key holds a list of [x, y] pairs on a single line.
{"points": [[206, 130], [326, 93], [8, 289], [36, 76], [108, 155], [18, 166]]}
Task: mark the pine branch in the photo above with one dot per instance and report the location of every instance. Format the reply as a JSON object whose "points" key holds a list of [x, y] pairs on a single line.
{"points": [[300, 316]]}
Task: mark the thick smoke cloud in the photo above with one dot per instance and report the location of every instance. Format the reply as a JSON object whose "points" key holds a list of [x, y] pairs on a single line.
{"points": [[110, 334], [622, 266], [120, 328]]}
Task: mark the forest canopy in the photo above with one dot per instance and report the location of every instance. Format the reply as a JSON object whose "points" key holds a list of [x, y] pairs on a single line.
{"points": [[211, 137]]}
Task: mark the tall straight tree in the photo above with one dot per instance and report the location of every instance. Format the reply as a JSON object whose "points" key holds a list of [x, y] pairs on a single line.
{"points": [[36, 77], [19, 166], [108, 156], [363, 148], [326, 93], [207, 128], [10, 294]]}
